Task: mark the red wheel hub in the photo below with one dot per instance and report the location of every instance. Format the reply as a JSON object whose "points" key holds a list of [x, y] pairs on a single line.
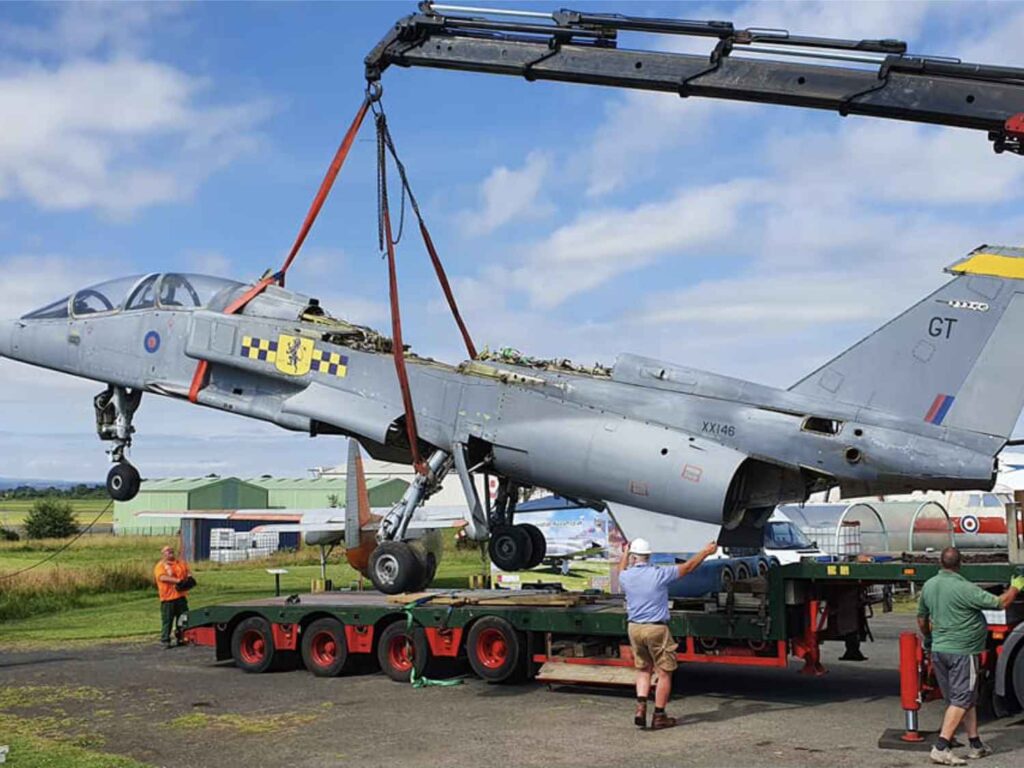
{"points": [[253, 647], [492, 648], [400, 654], [324, 649]]}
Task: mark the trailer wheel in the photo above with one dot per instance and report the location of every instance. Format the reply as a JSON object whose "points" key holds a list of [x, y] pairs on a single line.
{"points": [[510, 547], [763, 566], [252, 645], [538, 542], [398, 651], [324, 650], [726, 578], [742, 571], [495, 649], [1017, 676]]}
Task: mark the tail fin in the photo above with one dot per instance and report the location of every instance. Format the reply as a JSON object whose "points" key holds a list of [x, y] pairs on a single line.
{"points": [[359, 543], [953, 359]]}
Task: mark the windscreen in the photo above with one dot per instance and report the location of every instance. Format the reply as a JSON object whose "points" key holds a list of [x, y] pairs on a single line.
{"points": [[182, 291], [53, 311], [785, 535], [103, 297]]}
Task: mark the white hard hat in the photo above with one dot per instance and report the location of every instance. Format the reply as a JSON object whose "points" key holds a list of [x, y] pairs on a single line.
{"points": [[640, 547]]}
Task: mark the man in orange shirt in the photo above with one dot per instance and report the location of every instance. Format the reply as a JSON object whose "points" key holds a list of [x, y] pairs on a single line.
{"points": [[169, 573]]}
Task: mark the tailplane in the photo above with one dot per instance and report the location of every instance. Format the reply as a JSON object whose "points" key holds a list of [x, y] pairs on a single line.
{"points": [[953, 359]]}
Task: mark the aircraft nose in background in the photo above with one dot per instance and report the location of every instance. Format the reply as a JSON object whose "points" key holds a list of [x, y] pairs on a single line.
{"points": [[6, 337]]}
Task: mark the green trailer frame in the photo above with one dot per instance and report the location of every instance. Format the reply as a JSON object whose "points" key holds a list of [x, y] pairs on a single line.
{"points": [[763, 622]]}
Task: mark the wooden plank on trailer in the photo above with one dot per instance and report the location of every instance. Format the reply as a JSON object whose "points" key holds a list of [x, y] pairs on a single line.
{"points": [[585, 674]]}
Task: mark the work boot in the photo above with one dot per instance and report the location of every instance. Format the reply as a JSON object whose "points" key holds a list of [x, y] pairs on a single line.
{"points": [[640, 720], [946, 757], [976, 753], [661, 720]]}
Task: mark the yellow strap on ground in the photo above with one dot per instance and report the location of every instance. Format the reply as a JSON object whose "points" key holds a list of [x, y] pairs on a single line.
{"points": [[993, 264]]}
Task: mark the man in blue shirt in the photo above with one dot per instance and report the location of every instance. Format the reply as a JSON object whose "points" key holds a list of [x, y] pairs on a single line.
{"points": [[646, 589]]}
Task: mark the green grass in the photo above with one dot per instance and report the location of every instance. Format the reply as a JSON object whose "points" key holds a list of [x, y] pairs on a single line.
{"points": [[101, 614], [14, 511]]}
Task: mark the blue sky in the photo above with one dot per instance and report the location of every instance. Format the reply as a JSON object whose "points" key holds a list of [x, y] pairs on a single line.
{"points": [[575, 222]]}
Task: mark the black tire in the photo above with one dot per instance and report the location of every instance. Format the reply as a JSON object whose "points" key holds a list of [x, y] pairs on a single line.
{"points": [[742, 571], [496, 651], [429, 571], [725, 578], [123, 482], [394, 568], [510, 547], [763, 566], [1017, 678], [537, 542], [324, 648], [252, 645], [394, 648]]}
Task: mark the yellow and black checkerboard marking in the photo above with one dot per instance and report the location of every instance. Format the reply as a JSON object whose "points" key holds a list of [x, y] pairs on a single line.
{"points": [[259, 349], [331, 363]]}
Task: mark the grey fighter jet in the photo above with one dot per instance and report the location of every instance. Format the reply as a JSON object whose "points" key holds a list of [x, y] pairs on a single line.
{"points": [[925, 402]]}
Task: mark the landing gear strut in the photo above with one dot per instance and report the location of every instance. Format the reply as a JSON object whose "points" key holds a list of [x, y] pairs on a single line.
{"points": [[398, 565], [115, 407]]}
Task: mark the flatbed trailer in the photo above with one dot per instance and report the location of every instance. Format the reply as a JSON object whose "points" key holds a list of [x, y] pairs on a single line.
{"points": [[580, 638]]}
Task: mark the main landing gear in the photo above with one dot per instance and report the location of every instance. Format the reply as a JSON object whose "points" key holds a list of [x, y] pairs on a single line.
{"points": [[404, 563], [115, 407], [398, 564], [513, 547]]}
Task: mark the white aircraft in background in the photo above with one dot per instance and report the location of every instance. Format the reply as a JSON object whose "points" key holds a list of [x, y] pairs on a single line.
{"points": [[571, 532]]}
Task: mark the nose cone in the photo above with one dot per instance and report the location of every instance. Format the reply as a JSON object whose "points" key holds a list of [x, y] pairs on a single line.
{"points": [[6, 337]]}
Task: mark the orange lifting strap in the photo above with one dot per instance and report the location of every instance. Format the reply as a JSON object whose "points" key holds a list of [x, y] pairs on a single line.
{"points": [[202, 369]]}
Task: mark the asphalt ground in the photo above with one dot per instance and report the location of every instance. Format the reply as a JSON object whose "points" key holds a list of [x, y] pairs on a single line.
{"points": [[180, 708]]}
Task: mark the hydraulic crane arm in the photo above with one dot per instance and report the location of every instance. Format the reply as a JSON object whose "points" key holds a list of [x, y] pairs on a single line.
{"points": [[876, 78]]}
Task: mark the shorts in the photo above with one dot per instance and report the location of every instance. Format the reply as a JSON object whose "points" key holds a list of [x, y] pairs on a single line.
{"points": [[653, 645], [958, 678]]}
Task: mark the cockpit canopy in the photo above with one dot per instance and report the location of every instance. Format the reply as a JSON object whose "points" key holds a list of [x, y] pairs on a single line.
{"points": [[172, 291]]}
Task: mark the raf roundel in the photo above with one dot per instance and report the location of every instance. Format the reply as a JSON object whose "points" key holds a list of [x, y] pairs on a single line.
{"points": [[152, 342], [969, 524]]}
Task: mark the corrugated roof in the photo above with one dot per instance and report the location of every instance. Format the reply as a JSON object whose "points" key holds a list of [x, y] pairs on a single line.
{"points": [[183, 484], [309, 483]]}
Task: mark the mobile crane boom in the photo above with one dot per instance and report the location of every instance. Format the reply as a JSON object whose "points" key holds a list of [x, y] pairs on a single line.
{"points": [[876, 78]]}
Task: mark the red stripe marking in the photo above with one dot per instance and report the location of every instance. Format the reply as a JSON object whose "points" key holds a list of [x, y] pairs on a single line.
{"points": [[936, 404]]}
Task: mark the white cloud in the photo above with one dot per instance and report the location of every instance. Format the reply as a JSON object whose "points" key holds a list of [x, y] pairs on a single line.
{"points": [[82, 27], [639, 126], [113, 131], [508, 195], [602, 243], [38, 279], [210, 262]]}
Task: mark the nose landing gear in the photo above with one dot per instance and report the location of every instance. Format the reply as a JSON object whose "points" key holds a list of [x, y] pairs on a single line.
{"points": [[115, 407]]}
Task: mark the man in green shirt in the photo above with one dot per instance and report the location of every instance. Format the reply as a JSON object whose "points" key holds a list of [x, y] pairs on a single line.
{"points": [[949, 616]]}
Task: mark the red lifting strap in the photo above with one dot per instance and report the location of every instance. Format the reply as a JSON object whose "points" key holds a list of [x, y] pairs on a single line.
{"points": [[398, 349], [202, 369]]}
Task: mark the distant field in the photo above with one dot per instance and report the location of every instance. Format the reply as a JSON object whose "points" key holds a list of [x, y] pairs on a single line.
{"points": [[14, 511], [90, 616]]}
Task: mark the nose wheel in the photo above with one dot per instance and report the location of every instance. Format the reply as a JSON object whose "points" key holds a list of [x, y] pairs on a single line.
{"points": [[115, 407], [123, 482]]}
